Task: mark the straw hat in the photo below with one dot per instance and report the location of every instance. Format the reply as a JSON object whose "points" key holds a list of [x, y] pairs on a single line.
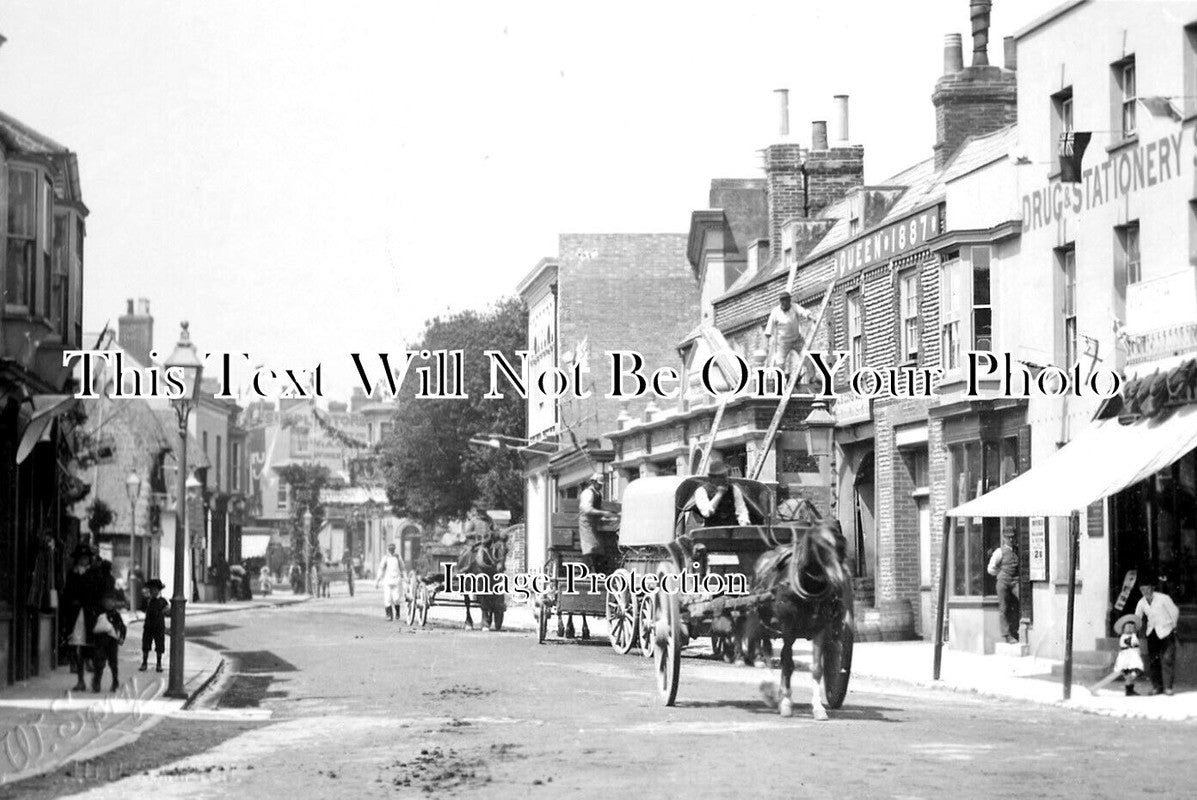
{"points": [[1125, 618]]}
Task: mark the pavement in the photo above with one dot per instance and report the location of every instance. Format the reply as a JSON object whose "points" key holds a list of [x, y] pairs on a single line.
{"points": [[45, 725], [1026, 678]]}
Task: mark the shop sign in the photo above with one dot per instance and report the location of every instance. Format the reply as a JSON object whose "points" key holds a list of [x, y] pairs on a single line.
{"points": [[1038, 549], [1128, 583], [852, 410]]}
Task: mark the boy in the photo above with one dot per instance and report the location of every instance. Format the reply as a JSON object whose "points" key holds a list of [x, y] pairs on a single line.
{"points": [[109, 636], [154, 630]]}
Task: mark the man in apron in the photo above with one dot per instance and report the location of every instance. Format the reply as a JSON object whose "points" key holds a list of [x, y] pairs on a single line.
{"points": [[590, 516]]}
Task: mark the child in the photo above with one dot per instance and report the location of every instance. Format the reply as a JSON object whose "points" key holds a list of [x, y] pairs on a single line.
{"points": [[109, 635], [1129, 664], [154, 630]]}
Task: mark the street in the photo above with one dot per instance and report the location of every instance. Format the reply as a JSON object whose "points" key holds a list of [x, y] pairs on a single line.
{"points": [[327, 698]]}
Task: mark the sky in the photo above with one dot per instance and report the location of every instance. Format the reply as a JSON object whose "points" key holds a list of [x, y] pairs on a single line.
{"points": [[305, 180]]}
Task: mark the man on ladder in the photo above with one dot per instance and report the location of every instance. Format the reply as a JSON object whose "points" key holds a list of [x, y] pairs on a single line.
{"points": [[783, 333]]}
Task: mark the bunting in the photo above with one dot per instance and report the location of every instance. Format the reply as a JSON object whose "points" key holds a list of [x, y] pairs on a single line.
{"points": [[1072, 150]]}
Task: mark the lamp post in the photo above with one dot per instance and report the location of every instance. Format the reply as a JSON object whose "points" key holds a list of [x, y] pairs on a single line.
{"points": [[819, 429], [185, 365], [132, 491], [307, 550]]}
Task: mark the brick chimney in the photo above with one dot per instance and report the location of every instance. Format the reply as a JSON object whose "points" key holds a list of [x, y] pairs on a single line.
{"points": [[785, 195], [973, 100], [136, 330]]}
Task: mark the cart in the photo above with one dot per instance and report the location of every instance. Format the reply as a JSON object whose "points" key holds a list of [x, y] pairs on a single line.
{"points": [[657, 518], [423, 589]]}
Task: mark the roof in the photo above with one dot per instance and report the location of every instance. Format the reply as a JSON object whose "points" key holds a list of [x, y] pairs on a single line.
{"points": [[18, 136], [1050, 16], [924, 185]]}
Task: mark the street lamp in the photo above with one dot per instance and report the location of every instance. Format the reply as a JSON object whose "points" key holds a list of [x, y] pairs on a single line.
{"points": [[819, 429], [307, 550], [132, 491], [186, 367]]}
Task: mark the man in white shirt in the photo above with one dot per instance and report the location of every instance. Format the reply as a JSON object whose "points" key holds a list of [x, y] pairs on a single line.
{"points": [[783, 333], [1162, 616], [719, 501], [390, 576]]}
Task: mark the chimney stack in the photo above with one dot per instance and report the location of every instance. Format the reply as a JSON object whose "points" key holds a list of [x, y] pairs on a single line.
{"points": [[135, 331], [818, 135], [978, 12], [841, 116], [1011, 52], [783, 111], [953, 54]]}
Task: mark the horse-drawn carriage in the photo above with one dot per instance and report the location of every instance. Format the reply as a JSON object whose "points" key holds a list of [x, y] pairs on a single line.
{"points": [[794, 574], [424, 585]]}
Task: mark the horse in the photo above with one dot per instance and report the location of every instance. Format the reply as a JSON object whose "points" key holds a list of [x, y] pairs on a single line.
{"points": [[811, 598], [486, 557]]}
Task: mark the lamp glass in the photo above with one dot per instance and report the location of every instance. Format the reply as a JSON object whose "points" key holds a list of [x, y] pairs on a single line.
{"points": [[185, 362], [133, 486]]}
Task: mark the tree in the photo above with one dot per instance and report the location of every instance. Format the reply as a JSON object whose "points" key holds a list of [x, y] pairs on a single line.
{"points": [[433, 473], [306, 482], [99, 516]]}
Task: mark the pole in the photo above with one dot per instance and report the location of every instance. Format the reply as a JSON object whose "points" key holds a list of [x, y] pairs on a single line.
{"points": [[307, 552], [943, 596], [178, 601], [1074, 528], [132, 562]]}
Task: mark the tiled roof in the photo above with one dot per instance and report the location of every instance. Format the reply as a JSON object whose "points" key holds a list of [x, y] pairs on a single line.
{"points": [[18, 136]]}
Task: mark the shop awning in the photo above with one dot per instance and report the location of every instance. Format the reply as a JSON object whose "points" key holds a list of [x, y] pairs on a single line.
{"points": [[46, 408], [1103, 459]]}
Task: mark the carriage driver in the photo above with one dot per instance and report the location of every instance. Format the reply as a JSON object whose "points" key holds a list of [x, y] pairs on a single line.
{"points": [[590, 514], [719, 501]]}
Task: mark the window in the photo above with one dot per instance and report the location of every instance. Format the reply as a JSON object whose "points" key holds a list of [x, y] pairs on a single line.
{"points": [[1061, 116], [855, 331], [300, 445], [949, 299], [854, 226], [1190, 82], [284, 495], [235, 466], [982, 310], [917, 464], [976, 468], [20, 251], [908, 309], [218, 462], [60, 310], [1066, 257], [1124, 77], [1128, 241], [207, 456], [45, 227]]}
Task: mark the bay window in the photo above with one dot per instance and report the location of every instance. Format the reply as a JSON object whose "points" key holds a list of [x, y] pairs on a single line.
{"points": [[966, 306], [949, 315], [20, 256]]}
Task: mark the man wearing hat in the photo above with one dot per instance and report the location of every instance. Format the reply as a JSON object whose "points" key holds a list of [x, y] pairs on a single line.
{"points": [[719, 501], [590, 516], [153, 632], [785, 322], [1161, 616]]}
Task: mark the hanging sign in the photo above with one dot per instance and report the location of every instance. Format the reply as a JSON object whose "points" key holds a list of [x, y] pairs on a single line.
{"points": [[1038, 549]]}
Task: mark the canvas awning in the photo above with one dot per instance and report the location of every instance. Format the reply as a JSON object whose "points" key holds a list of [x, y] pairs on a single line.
{"points": [[46, 408], [1103, 459]]}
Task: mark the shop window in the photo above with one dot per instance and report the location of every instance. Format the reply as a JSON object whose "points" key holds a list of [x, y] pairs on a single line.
{"points": [[949, 311], [978, 468], [20, 261], [1066, 280], [1126, 95], [793, 460], [908, 306], [855, 330]]}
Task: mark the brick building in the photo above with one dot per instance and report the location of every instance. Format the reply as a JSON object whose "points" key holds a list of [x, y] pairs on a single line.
{"points": [[601, 293]]}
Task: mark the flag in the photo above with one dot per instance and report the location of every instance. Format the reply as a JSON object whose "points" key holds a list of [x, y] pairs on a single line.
{"points": [[1072, 150]]}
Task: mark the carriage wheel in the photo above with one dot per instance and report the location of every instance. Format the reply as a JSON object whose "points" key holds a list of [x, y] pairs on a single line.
{"points": [[667, 645], [542, 620], [409, 599], [621, 619], [425, 603], [837, 666], [644, 626]]}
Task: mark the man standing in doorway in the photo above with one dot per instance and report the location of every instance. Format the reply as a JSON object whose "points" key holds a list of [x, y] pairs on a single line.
{"points": [[390, 575], [1003, 564], [1162, 616], [783, 333]]}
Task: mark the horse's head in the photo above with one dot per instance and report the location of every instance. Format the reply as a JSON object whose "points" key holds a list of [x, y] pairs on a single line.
{"points": [[817, 567], [492, 554]]}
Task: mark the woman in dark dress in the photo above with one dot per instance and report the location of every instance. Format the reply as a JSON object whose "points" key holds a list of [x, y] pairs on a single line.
{"points": [[81, 598]]}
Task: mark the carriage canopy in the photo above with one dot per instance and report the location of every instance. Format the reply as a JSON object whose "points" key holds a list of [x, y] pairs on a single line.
{"points": [[651, 506]]}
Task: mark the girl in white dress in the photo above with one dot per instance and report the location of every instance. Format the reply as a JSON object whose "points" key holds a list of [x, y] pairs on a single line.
{"points": [[1129, 664]]}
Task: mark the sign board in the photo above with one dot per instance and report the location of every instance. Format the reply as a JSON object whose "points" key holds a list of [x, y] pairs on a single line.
{"points": [[1038, 548], [850, 410], [1128, 583], [879, 246]]}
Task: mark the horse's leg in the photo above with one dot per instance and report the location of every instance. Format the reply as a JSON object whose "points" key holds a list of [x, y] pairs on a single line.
{"points": [[816, 676], [786, 706], [585, 628], [469, 622], [569, 627]]}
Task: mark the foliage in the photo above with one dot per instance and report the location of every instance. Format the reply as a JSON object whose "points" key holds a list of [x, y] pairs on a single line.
{"points": [[99, 516], [306, 482], [433, 473]]}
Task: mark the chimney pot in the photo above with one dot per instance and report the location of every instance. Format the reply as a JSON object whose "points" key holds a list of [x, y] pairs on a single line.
{"points": [[841, 115], [1011, 52], [818, 135], [978, 11], [953, 54], [783, 111], [129, 306]]}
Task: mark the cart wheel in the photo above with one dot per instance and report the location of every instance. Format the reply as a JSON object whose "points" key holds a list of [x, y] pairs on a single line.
{"points": [[644, 626], [411, 597], [542, 620], [837, 667], [667, 645], [621, 618], [426, 598]]}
